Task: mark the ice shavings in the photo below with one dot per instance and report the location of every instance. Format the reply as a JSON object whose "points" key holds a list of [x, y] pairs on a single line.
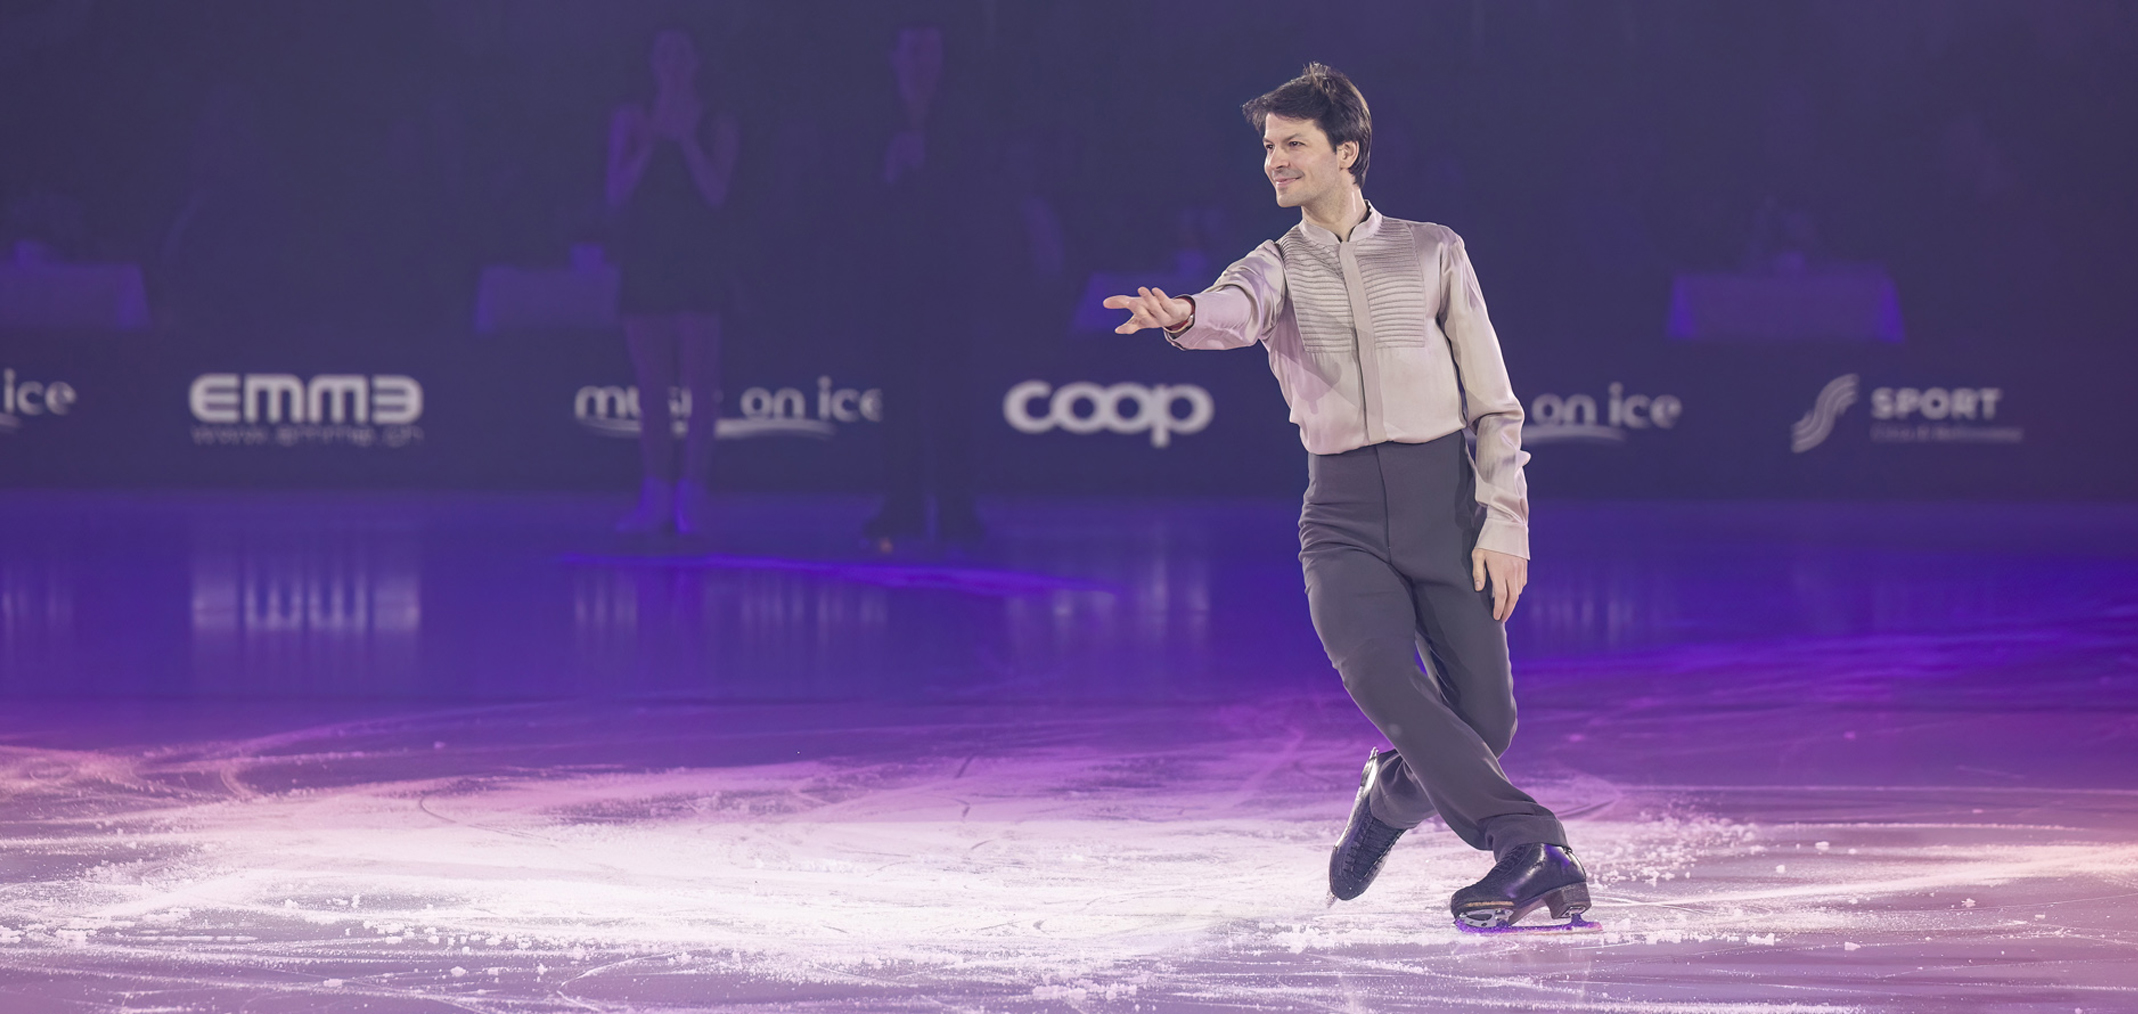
{"points": [[1060, 873]]}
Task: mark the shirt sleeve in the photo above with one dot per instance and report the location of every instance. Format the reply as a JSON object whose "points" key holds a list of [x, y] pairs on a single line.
{"points": [[1490, 408], [1241, 307]]}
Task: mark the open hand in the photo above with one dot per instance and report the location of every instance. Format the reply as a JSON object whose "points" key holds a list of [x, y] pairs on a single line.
{"points": [[1509, 574], [1151, 308]]}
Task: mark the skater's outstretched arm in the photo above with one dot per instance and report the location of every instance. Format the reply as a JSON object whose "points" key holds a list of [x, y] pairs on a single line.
{"points": [[1237, 311]]}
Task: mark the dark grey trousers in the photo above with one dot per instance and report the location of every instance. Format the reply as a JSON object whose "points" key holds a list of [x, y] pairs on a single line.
{"points": [[1384, 537]]}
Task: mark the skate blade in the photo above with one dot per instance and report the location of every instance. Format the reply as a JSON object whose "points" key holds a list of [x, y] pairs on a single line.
{"points": [[1576, 925], [1564, 903]]}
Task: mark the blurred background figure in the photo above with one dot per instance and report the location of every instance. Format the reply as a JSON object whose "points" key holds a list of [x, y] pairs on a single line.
{"points": [[1784, 240], [926, 355], [670, 166], [226, 256]]}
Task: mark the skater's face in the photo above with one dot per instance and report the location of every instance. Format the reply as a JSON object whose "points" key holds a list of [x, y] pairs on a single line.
{"points": [[1300, 163]]}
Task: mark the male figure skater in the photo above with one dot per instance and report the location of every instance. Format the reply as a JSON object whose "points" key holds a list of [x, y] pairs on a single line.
{"points": [[1377, 333]]}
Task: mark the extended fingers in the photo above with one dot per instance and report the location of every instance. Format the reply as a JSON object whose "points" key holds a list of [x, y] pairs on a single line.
{"points": [[1153, 305], [1147, 308], [1477, 568], [1138, 311], [1150, 308]]}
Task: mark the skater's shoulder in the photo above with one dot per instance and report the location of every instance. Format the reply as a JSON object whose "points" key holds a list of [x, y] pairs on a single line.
{"points": [[1426, 235], [1431, 232]]}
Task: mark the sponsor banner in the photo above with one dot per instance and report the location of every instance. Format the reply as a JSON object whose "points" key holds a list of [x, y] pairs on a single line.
{"points": [[70, 411], [161, 410], [1903, 414], [1575, 418], [1085, 408], [1047, 415], [24, 401], [379, 410], [1804, 421], [1131, 414], [614, 410]]}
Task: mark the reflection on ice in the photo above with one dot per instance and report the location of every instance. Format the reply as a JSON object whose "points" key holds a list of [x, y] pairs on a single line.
{"points": [[263, 595], [36, 608], [342, 610], [496, 597]]}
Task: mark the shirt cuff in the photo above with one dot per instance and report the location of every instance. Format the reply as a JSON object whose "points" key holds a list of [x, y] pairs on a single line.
{"points": [[1173, 334], [1506, 537]]}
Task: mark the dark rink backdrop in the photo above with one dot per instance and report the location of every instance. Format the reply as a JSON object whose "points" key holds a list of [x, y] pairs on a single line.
{"points": [[1774, 249]]}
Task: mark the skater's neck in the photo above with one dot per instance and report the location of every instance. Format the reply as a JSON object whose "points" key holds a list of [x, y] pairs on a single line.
{"points": [[1339, 211]]}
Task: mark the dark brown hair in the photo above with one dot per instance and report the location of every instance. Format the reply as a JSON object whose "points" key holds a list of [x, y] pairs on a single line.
{"points": [[1323, 94]]}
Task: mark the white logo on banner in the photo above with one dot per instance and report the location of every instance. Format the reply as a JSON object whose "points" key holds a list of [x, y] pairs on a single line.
{"points": [[28, 399], [1909, 415], [1573, 419], [1153, 409], [614, 411], [1818, 424], [257, 409]]}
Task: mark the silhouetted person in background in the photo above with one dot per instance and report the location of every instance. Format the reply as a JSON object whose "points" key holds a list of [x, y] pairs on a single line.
{"points": [[670, 165], [226, 257], [926, 353], [1785, 239]]}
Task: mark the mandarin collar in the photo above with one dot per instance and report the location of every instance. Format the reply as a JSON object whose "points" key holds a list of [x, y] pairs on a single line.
{"points": [[1323, 237]]}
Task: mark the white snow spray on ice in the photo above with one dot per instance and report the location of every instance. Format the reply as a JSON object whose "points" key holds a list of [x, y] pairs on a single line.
{"points": [[378, 860]]}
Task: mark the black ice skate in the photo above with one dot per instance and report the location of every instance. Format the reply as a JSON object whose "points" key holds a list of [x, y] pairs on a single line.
{"points": [[1529, 877], [1357, 858]]}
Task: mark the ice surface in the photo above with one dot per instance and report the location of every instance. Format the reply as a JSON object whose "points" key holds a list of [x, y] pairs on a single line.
{"points": [[460, 755], [974, 858]]}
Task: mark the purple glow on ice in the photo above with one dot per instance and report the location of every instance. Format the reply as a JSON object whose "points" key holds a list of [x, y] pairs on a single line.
{"points": [[970, 580], [1816, 757]]}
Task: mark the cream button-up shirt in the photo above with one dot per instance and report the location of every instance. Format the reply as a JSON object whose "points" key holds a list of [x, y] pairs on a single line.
{"points": [[1379, 337]]}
